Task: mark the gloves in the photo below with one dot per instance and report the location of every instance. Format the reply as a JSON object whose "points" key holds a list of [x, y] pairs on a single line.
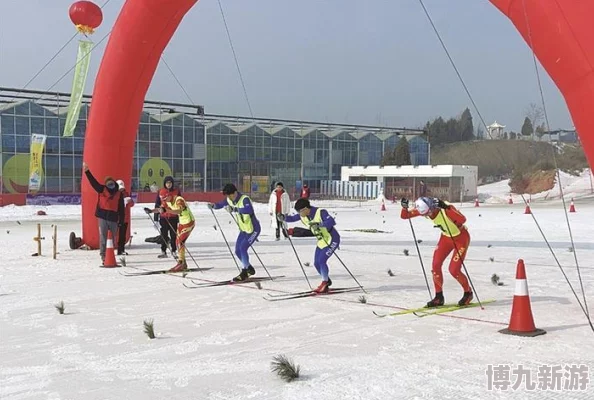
{"points": [[231, 209], [437, 203], [280, 217], [147, 210], [315, 228], [210, 206], [127, 200], [404, 203]]}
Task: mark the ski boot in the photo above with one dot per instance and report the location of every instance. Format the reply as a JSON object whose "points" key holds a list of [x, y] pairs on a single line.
{"points": [[437, 301], [243, 276], [466, 299], [180, 267], [162, 255], [251, 271], [323, 288]]}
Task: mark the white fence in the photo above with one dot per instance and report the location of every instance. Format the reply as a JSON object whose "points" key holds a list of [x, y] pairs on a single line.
{"points": [[357, 190]]}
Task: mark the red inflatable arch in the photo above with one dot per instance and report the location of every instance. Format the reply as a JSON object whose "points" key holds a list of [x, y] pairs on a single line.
{"points": [[560, 32], [137, 41]]}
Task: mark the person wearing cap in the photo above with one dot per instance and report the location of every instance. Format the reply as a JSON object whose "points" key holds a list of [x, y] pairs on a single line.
{"points": [[322, 225], [279, 203], [110, 207], [305, 192], [454, 236], [249, 226], [167, 220], [125, 224], [172, 204]]}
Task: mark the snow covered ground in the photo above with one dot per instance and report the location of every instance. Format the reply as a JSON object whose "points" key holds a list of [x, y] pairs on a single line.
{"points": [[574, 187], [217, 343]]}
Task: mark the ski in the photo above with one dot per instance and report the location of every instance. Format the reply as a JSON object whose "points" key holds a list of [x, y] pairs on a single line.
{"points": [[162, 271], [424, 309], [197, 285], [310, 293], [443, 310], [413, 310]]}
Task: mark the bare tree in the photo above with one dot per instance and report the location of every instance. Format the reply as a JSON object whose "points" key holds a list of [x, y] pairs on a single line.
{"points": [[535, 113]]}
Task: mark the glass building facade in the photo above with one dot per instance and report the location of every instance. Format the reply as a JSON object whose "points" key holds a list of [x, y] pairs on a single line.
{"points": [[202, 152]]}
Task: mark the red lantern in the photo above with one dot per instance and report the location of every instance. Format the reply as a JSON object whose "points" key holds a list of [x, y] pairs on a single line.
{"points": [[86, 15]]}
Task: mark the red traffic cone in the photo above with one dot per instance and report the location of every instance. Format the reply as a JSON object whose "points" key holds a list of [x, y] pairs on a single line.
{"points": [[383, 205], [110, 260], [476, 203], [521, 322], [571, 207], [527, 210], [510, 201]]}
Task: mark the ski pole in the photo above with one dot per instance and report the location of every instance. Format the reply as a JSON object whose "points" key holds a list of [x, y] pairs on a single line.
{"points": [[185, 247], [420, 258], [460, 255], [252, 247], [225, 239], [167, 244], [285, 231]]}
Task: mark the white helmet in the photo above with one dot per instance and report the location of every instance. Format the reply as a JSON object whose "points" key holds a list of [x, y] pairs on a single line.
{"points": [[120, 184], [423, 205]]}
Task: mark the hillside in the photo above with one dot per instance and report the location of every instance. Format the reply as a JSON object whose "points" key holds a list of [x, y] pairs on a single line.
{"points": [[503, 158]]}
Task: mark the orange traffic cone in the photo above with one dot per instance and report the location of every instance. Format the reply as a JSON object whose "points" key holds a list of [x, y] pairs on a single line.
{"points": [[510, 201], [521, 322], [527, 210], [110, 260], [476, 203], [571, 206], [383, 205]]}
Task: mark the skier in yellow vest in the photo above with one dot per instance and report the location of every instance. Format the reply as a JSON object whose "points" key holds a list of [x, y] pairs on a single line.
{"points": [[454, 237], [321, 225], [177, 205], [249, 226]]}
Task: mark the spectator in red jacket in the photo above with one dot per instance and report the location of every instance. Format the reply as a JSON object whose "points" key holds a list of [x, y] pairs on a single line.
{"points": [[109, 210], [167, 220], [305, 192], [124, 226]]}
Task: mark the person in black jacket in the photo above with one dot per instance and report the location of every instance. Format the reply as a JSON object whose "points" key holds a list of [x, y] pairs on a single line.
{"points": [[110, 208], [168, 220]]}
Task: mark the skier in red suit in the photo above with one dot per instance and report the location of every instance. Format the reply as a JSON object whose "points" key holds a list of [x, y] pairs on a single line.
{"points": [[454, 237]]}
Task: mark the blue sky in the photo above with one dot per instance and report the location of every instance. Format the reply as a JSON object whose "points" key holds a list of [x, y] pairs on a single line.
{"points": [[367, 62]]}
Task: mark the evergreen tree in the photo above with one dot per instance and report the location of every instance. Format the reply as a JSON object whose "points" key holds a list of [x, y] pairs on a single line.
{"points": [[465, 126], [513, 135], [402, 152], [527, 129], [540, 130]]}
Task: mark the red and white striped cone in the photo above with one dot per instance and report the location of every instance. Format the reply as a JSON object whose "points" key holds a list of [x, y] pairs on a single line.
{"points": [[571, 206], [476, 202], [510, 200], [521, 322], [110, 260], [528, 210], [383, 205]]}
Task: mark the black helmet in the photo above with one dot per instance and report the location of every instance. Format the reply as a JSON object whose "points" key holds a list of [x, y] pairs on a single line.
{"points": [[301, 204], [229, 189]]}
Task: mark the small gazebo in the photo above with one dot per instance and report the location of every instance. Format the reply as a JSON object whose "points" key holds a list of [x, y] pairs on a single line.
{"points": [[495, 130]]}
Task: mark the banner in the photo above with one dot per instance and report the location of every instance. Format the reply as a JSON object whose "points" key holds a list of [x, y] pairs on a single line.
{"points": [[56, 199], [78, 86], [35, 163]]}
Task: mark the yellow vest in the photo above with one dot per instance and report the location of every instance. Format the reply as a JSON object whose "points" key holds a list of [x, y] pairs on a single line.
{"points": [[447, 226], [186, 215], [243, 221], [326, 237]]}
